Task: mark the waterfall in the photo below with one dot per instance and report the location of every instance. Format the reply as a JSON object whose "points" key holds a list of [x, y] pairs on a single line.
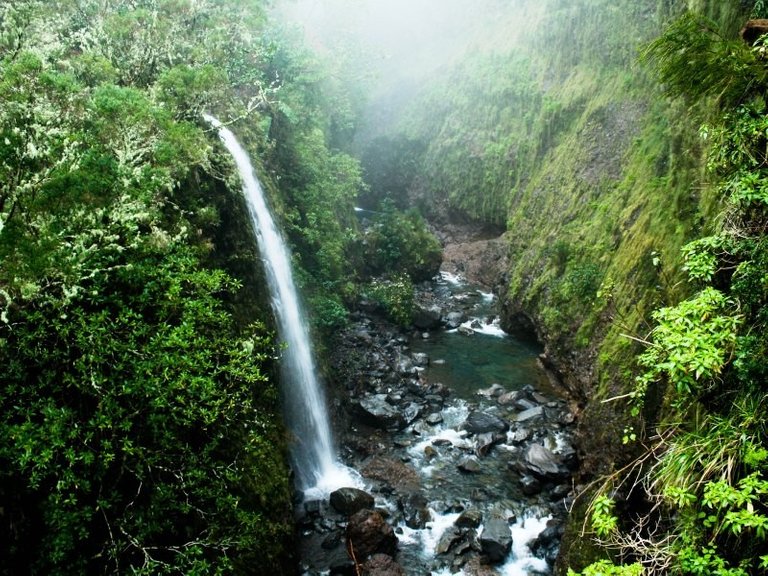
{"points": [[314, 460]]}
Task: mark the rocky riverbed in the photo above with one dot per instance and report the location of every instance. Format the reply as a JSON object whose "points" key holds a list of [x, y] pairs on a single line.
{"points": [[457, 476]]}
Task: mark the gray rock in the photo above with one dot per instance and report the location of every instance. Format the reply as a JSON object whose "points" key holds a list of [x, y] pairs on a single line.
{"points": [[350, 500], [484, 442], [542, 462], [524, 404], [509, 398], [434, 418], [415, 511], [530, 485], [481, 422], [455, 319], [465, 331], [375, 411], [469, 465], [420, 359], [526, 415], [447, 540], [520, 435], [493, 391], [496, 540], [411, 412], [426, 318]]}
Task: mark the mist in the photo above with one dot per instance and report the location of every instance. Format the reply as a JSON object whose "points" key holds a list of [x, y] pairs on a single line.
{"points": [[393, 47]]}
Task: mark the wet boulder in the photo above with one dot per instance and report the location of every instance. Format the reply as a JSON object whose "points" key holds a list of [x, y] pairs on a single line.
{"points": [[481, 422], [381, 565], [530, 485], [484, 442], [469, 465], [415, 511], [450, 537], [496, 539], [368, 533], [543, 463], [547, 543], [376, 411], [455, 319], [426, 317], [350, 500], [470, 518]]}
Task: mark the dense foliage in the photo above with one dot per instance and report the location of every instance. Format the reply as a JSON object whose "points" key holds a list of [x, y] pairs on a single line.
{"points": [[708, 477], [139, 427]]}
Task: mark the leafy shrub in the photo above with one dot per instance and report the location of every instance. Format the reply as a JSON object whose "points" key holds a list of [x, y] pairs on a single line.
{"points": [[400, 242], [395, 295]]}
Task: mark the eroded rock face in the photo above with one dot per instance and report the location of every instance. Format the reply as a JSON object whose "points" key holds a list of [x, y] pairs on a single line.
{"points": [[368, 534], [753, 29]]}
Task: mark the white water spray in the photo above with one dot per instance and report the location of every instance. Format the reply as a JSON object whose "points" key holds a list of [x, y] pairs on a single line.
{"points": [[306, 414]]}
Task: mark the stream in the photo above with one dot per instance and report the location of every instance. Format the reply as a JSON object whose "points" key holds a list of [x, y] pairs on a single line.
{"points": [[456, 454], [460, 437]]}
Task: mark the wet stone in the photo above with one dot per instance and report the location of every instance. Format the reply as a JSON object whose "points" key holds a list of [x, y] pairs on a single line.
{"points": [[480, 422], [350, 500], [469, 518], [434, 419], [520, 435], [331, 541], [470, 465], [530, 485], [496, 540], [447, 540], [526, 415]]}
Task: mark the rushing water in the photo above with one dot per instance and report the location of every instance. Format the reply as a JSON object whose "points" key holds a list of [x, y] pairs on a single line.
{"points": [[315, 463]]}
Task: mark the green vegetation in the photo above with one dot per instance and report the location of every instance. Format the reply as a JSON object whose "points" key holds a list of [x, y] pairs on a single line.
{"points": [[140, 425], [709, 474], [635, 208], [140, 428]]}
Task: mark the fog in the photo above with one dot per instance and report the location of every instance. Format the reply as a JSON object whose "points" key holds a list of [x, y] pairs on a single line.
{"points": [[394, 46]]}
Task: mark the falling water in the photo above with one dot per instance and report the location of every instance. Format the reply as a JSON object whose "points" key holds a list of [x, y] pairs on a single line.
{"points": [[303, 402]]}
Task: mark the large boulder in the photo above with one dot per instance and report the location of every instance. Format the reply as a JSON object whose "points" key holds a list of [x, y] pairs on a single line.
{"points": [[426, 317], [368, 534], [542, 462], [482, 422], [376, 411], [496, 539], [350, 500], [470, 518], [455, 319]]}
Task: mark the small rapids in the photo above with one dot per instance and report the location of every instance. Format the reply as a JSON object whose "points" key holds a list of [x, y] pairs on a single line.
{"points": [[458, 433]]}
